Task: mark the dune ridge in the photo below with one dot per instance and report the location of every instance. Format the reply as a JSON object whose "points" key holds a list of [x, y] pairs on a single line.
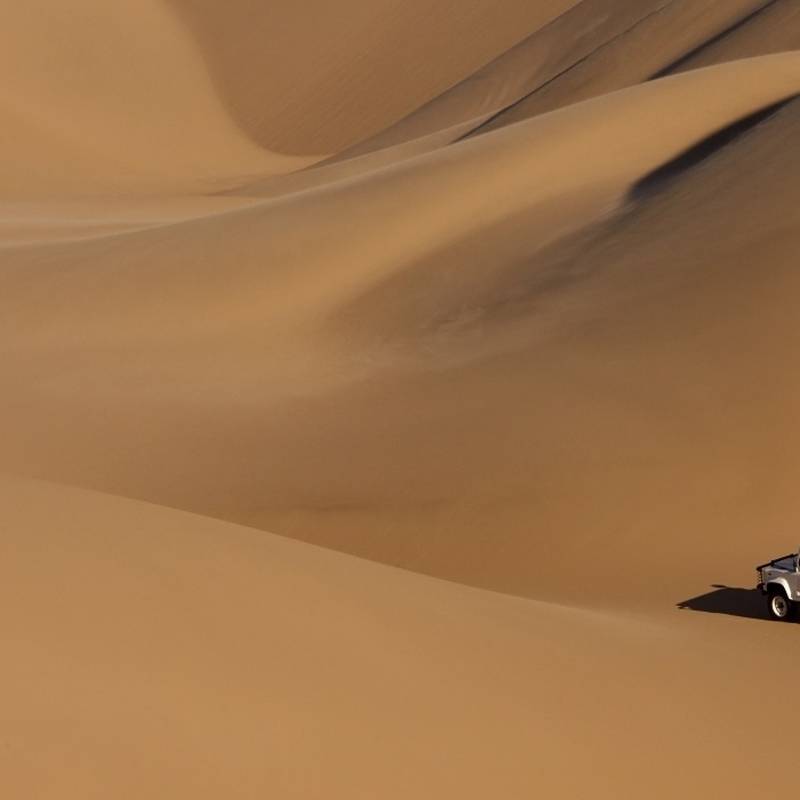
{"points": [[539, 75], [322, 98], [384, 302], [396, 396]]}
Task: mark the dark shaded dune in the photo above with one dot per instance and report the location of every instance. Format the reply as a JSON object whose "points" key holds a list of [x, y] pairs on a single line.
{"points": [[773, 28], [517, 73], [362, 65], [595, 47], [622, 392], [658, 179], [656, 39], [709, 45]]}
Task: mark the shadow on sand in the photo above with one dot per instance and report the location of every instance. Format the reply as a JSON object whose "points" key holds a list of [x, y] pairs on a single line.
{"points": [[657, 180], [748, 603]]}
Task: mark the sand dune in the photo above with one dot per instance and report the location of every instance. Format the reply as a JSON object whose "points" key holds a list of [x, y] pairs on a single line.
{"points": [[362, 66], [156, 653], [640, 52], [101, 100], [505, 297], [284, 372], [597, 46], [154, 96], [770, 28]]}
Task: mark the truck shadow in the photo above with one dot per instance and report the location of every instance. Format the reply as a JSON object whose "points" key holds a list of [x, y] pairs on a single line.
{"points": [[748, 603]]}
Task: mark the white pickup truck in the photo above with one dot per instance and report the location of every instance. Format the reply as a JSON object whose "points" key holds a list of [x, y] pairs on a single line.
{"points": [[779, 580]]}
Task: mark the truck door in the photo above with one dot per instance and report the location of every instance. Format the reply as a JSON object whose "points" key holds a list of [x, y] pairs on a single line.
{"points": [[793, 581]]}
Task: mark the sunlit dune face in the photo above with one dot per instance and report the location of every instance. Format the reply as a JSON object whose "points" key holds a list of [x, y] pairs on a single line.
{"points": [[397, 397]]}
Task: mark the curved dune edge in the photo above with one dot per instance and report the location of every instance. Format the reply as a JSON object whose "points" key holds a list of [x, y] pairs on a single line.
{"points": [[150, 651], [445, 195], [167, 96], [57, 220], [330, 172], [315, 78], [435, 469], [333, 337], [122, 105], [584, 53], [645, 51], [645, 152], [772, 27]]}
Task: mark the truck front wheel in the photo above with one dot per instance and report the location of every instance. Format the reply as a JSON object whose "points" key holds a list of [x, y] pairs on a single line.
{"points": [[780, 606]]}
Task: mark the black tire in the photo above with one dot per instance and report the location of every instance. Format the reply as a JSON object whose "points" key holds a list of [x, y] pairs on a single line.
{"points": [[781, 608]]}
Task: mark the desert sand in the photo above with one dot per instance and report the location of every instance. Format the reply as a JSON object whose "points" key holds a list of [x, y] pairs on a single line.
{"points": [[397, 397]]}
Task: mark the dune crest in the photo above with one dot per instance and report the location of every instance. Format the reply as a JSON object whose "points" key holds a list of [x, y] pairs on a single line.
{"points": [[586, 52], [321, 98], [397, 396], [286, 368]]}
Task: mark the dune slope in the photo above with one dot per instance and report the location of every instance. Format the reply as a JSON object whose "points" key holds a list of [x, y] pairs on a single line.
{"points": [[151, 652], [597, 46], [396, 397], [315, 77], [241, 392], [771, 28], [179, 96]]}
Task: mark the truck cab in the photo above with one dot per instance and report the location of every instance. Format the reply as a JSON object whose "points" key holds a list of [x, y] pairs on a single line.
{"points": [[779, 581]]}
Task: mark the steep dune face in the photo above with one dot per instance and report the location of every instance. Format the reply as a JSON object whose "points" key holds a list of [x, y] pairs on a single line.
{"points": [[176, 96], [103, 99], [322, 96], [771, 28], [282, 368], [597, 46], [639, 52]]}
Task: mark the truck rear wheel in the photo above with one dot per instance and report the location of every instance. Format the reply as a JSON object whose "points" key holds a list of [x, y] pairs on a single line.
{"points": [[780, 606]]}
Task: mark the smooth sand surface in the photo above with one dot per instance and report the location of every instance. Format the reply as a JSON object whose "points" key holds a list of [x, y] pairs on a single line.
{"points": [[315, 77], [154, 653], [377, 382]]}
